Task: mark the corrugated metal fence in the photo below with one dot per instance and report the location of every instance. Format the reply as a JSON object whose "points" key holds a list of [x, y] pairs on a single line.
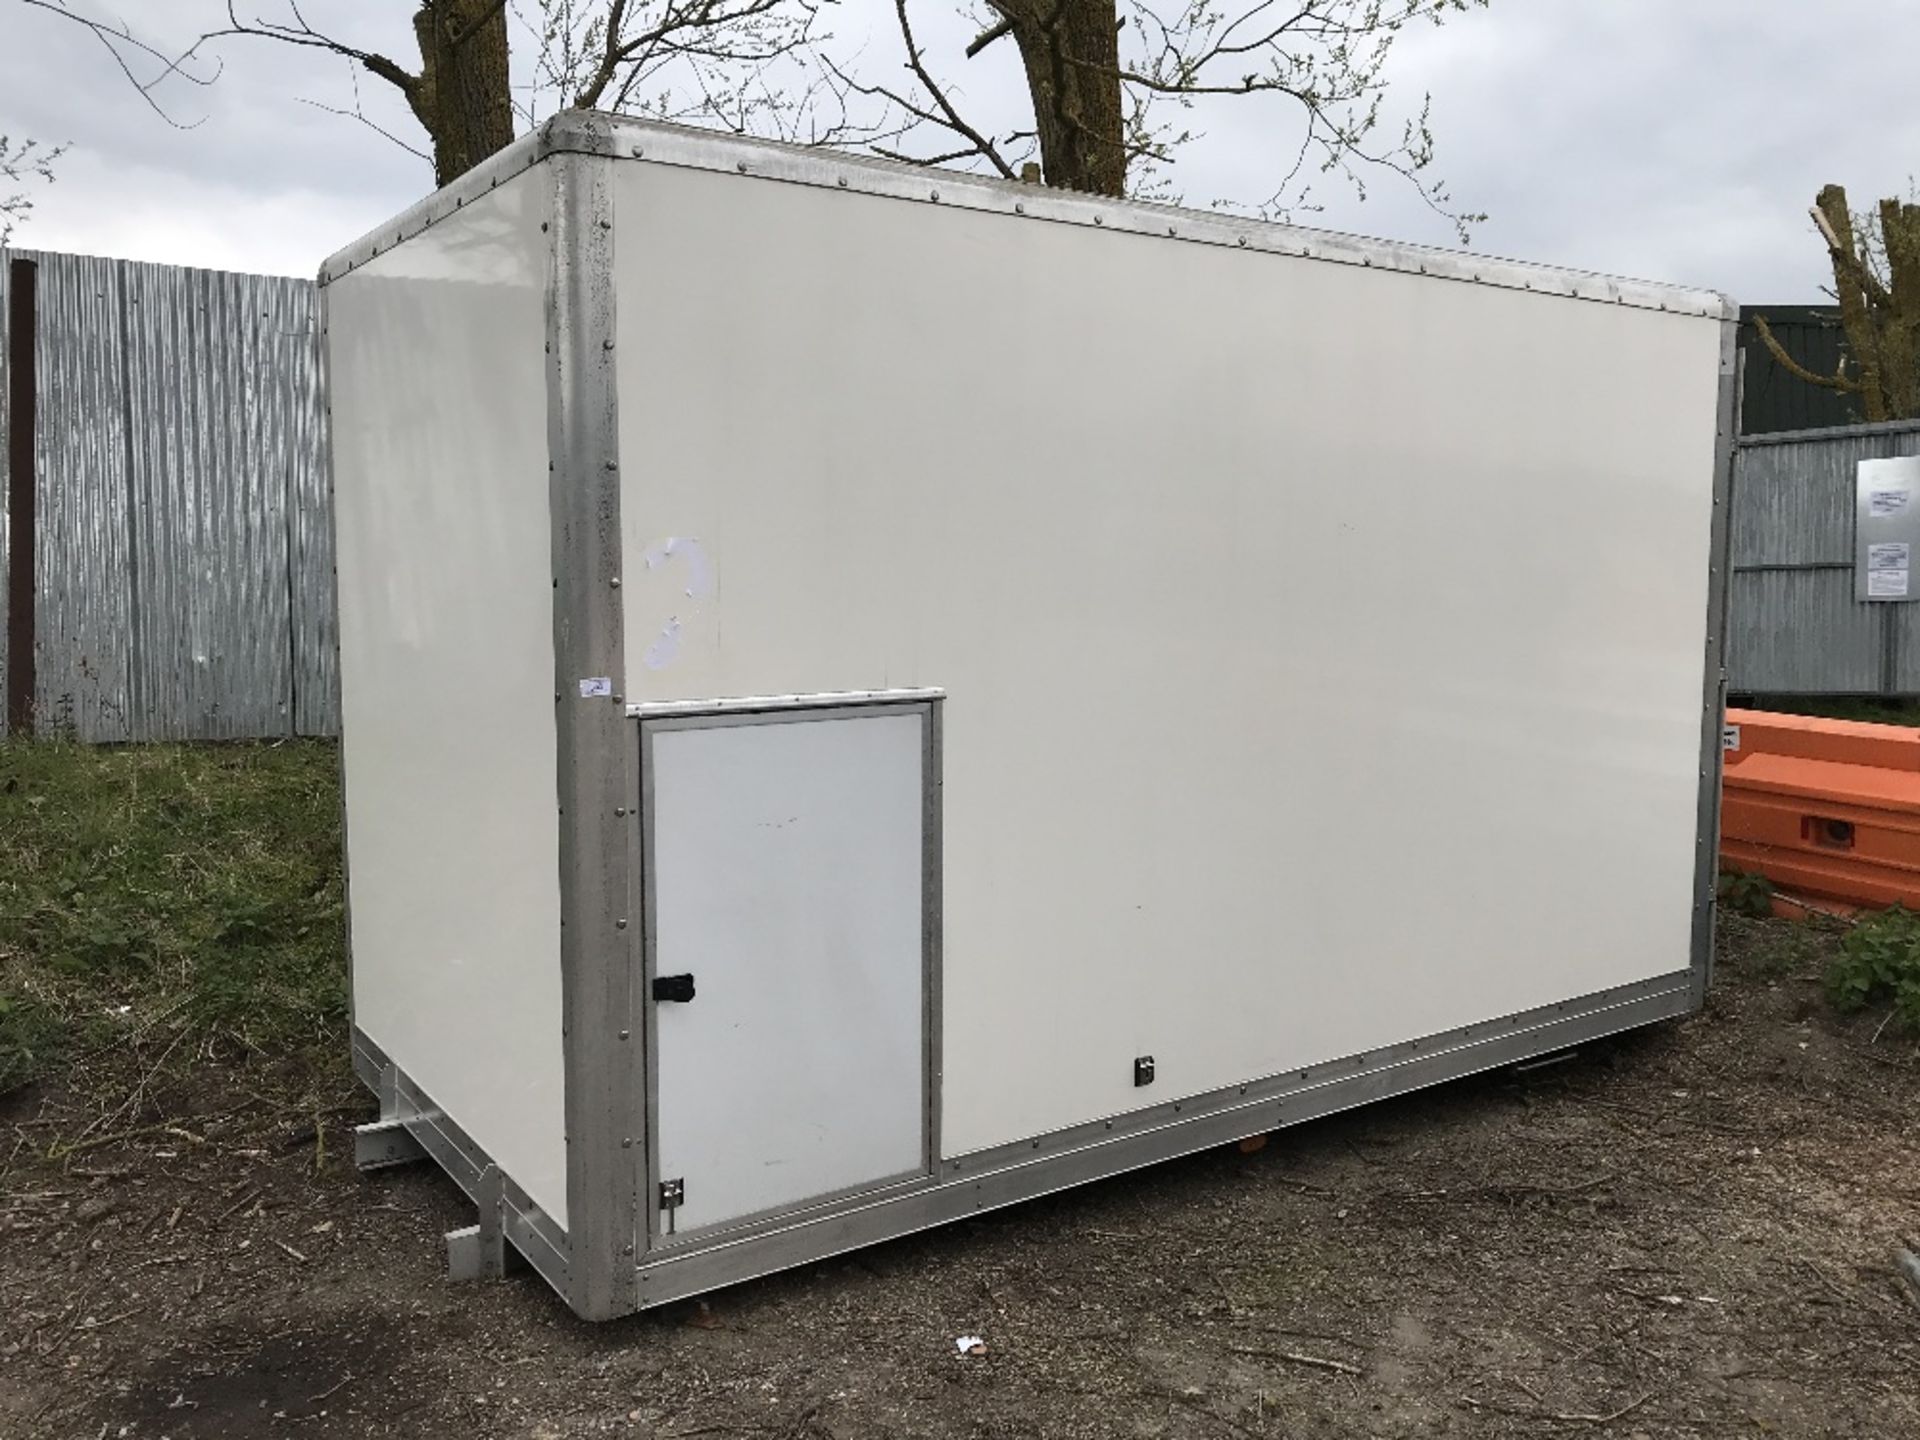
{"points": [[1795, 628], [183, 547]]}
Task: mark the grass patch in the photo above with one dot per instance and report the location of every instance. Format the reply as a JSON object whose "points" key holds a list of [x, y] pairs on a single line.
{"points": [[186, 894]]}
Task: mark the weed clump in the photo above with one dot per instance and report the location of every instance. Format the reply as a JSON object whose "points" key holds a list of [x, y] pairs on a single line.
{"points": [[1879, 964]]}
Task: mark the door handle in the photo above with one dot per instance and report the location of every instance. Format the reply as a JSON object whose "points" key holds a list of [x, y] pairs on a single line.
{"points": [[675, 988]]}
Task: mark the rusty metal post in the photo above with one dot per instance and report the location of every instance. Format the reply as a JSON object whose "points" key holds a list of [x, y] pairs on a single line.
{"points": [[22, 392]]}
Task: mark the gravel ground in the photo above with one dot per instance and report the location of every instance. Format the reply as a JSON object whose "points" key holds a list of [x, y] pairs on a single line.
{"points": [[1685, 1232]]}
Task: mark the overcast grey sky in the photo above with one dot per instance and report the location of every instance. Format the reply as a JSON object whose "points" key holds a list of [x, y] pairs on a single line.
{"points": [[1668, 139]]}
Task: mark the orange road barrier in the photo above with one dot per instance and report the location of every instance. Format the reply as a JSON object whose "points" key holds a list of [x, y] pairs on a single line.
{"points": [[1824, 808]]}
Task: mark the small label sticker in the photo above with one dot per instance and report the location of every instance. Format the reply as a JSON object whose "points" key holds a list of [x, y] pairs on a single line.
{"points": [[1887, 584], [1882, 503], [596, 687], [1888, 555], [1730, 738]]}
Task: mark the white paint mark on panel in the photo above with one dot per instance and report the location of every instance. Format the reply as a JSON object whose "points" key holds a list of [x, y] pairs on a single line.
{"points": [[666, 647]]}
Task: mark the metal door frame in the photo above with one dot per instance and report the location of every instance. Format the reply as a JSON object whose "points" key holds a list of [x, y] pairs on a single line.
{"points": [[651, 720]]}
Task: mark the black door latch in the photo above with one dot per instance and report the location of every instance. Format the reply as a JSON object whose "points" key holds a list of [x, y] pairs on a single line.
{"points": [[678, 988]]}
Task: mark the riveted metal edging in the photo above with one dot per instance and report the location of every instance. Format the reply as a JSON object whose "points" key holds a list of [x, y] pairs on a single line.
{"points": [[1232, 1112], [1284, 1093], [1028, 1169], [689, 148], [657, 709], [324, 359], [580, 132], [594, 758], [1714, 691]]}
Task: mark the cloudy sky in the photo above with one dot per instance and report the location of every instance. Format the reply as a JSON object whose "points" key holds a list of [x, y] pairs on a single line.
{"points": [[1671, 141]]}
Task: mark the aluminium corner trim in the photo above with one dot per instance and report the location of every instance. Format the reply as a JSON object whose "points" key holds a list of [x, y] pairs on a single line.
{"points": [[1713, 698], [324, 362], [595, 777]]}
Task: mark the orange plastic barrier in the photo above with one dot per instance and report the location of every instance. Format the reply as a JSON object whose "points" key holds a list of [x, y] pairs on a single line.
{"points": [[1824, 808]]}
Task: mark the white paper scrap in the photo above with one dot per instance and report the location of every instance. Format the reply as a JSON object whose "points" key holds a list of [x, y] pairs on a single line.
{"points": [[1888, 555], [1882, 503], [596, 686]]}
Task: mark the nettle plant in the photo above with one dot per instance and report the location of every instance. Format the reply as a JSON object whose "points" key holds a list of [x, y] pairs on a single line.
{"points": [[1879, 964]]}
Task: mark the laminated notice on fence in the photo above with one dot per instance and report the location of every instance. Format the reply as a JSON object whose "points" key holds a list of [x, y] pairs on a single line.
{"points": [[1887, 570], [1886, 528], [1887, 584]]}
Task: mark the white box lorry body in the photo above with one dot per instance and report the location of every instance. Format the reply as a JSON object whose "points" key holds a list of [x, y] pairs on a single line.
{"points": [[872, 694]]}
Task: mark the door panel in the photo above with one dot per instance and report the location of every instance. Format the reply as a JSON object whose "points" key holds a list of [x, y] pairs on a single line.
{"points": [[786, 878]]}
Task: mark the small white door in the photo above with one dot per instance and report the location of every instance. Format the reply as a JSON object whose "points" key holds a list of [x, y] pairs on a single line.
{"points": [[785, 894]]}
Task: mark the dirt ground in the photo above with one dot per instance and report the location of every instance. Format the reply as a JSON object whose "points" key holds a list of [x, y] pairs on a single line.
{"points": [[1687, 1232]]}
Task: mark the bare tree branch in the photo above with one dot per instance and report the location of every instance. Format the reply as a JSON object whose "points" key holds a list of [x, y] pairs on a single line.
{"points": [[1836, 381], [1111, 84], [951, 155], [1327, 58], [299, 32], [987, 36], [952, 120], [358, 113], [113, 35]]}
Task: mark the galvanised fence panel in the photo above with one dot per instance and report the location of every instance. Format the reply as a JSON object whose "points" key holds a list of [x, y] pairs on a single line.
{"points": [[184, 573], [83, 637], [1794, 626], [6, 434], [316, 645]]}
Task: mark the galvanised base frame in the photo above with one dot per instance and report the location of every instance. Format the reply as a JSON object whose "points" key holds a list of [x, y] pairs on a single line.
{"points": [[601, 1264]]}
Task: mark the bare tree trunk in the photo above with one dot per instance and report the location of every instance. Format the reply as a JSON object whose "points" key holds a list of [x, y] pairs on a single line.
{"points": [[1856, 308], [461, 96], [1071, 50], [1900, 326]]}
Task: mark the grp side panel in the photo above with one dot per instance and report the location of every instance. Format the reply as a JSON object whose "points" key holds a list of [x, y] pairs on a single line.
{"points": [[446, 651], [1324, 647]]}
